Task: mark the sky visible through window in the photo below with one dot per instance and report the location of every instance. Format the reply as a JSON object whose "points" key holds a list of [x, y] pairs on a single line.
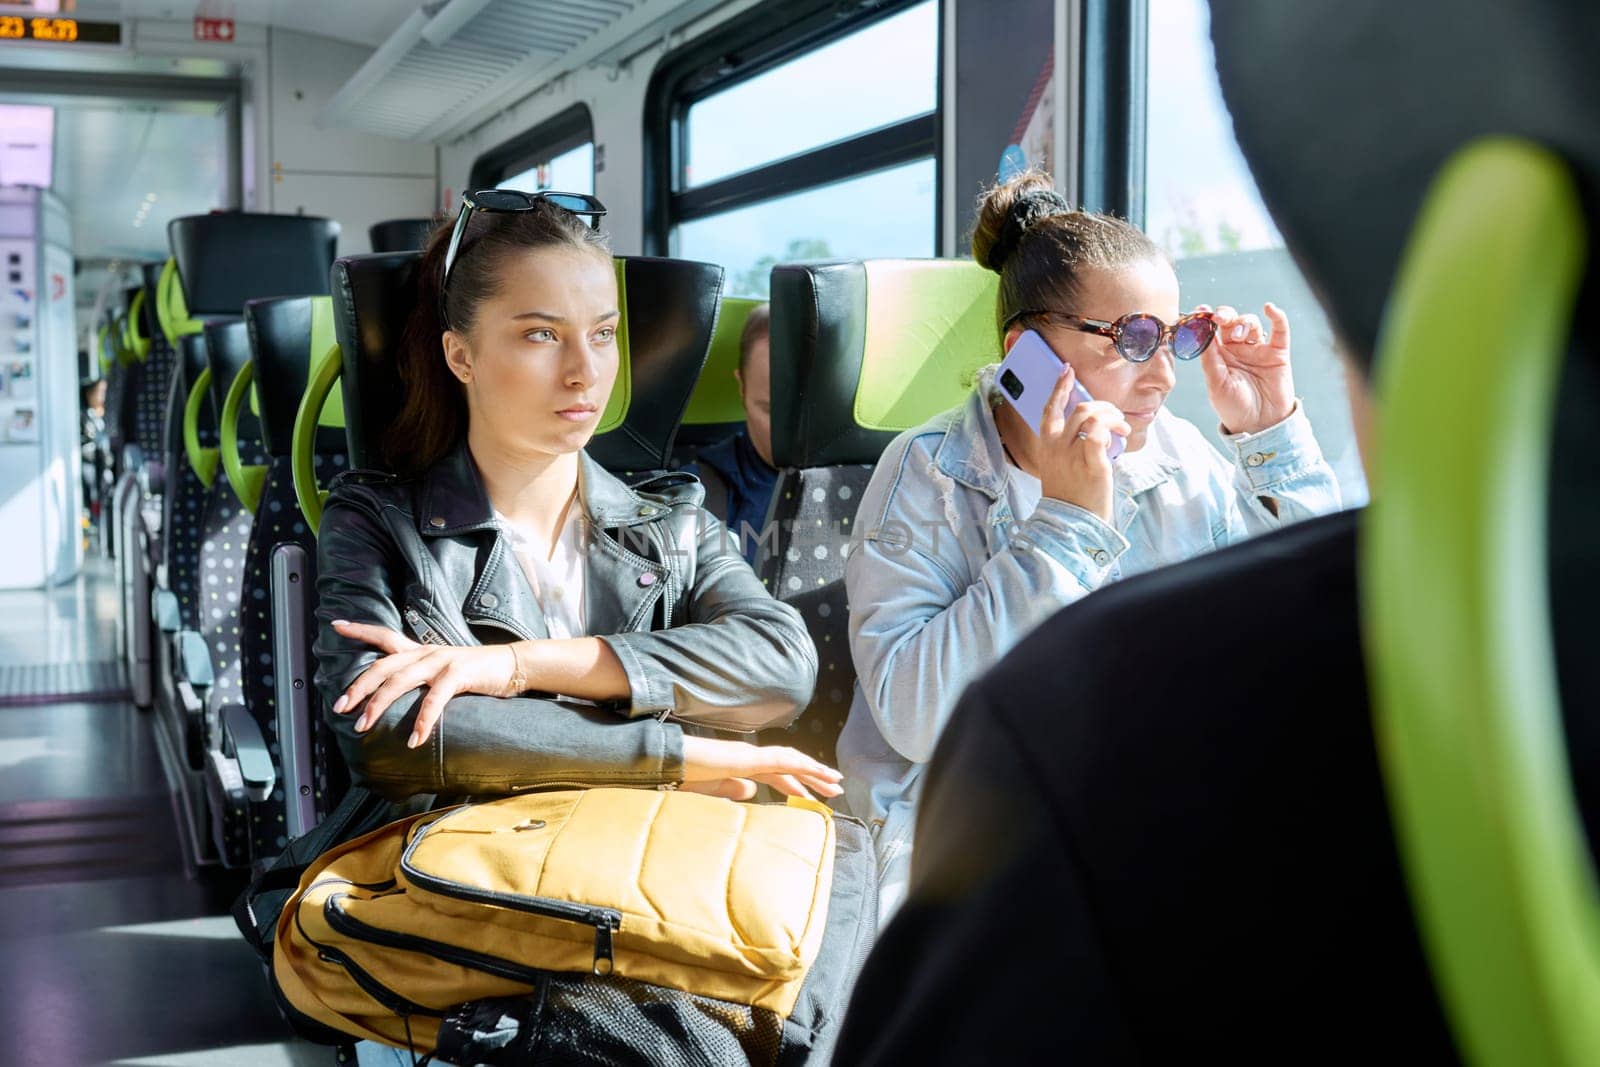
{"points": [[570, 172], [1200, 197], [872, 78], [1202, 206], [875, 77], [886, 214]]}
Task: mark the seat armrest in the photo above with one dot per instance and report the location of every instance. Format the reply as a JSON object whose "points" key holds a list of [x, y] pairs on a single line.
{"points": [[164, 608], [194, 659], [241, 738]]}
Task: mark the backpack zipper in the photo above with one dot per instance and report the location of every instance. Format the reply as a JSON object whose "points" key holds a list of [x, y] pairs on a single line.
{"points": [[394, 1002], [345, 923], [604, 920]]}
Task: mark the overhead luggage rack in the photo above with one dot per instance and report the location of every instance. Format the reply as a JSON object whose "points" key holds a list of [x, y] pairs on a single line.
{"points": [[453, 65]]}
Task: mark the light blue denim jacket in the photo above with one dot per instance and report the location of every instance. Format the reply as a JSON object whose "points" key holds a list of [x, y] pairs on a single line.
{"points": [[944, 576]]}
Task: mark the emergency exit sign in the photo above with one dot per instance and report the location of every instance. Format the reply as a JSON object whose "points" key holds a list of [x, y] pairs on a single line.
{"points": [[209, 29]]}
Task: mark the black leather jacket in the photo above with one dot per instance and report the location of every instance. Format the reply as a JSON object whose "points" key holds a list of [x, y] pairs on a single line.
{"points": [[700, 639]]}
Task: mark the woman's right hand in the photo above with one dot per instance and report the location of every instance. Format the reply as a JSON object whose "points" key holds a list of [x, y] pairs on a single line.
{"points": [[1073, 464], [732, 769]]}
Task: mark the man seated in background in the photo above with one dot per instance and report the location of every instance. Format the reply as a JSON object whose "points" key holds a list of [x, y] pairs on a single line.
{"points": [[738, 473]]}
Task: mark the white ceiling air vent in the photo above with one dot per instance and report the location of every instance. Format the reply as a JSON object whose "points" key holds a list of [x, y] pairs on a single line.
{"points": [[455, 63]]}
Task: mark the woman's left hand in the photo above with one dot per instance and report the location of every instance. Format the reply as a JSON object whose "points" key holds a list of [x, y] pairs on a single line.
{"points": [[445, 669], [1247, 373]]}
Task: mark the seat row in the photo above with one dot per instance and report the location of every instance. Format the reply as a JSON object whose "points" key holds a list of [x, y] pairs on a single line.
{"points": [[268, 403]]}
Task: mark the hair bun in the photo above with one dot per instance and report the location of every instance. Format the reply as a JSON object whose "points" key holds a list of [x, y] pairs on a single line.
{"points": [[1028, 209], [1007, 212]]}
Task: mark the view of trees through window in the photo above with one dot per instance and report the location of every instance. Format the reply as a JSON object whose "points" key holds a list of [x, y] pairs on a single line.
{"points": [[882, 74]]}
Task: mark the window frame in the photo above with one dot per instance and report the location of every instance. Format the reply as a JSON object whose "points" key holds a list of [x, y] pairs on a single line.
{"points": [[560, 133], [750, 44], [1113, 89]]}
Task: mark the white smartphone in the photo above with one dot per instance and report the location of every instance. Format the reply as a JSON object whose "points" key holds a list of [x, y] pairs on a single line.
{"points": [[1028, 377]]}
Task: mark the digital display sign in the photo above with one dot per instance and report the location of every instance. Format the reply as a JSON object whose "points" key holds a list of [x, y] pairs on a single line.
{"points": [[58, 30]]}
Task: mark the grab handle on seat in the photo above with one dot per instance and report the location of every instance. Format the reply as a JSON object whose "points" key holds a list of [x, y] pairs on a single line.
{"points": [[171, 312], [138, 343], [203, 460], [325, 373], [247, 479]]}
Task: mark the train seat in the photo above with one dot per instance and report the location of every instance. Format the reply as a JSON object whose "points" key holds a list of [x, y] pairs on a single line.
{"points": [[669, 313], [225, 535], [219, 262], [861, 351], [286, 334], [191, 454], [137, 429], [399, 235]]}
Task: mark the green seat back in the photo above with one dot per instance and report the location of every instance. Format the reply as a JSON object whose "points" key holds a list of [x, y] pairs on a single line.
{"points": [[1456, 607], [715, 408], [863, 350]]}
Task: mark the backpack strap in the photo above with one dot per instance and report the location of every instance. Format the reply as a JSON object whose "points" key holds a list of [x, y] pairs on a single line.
{"points": [[258, 907]]}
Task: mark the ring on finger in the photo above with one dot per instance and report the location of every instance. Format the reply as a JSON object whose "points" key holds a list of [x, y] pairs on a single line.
{"points": [[1083, 435]]}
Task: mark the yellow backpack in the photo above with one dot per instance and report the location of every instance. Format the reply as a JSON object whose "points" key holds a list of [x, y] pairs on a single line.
{"points": [[601, 925]]}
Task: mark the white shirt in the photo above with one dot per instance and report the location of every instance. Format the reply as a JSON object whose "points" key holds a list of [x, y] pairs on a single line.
{"points": [[557, 581]]}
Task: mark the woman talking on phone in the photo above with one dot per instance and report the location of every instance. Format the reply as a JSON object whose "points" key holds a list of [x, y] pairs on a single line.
{"points": [[976, 527], [482, 628]]}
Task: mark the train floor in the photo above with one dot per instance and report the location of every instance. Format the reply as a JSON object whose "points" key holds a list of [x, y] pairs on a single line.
{"points": [[111, 951]]}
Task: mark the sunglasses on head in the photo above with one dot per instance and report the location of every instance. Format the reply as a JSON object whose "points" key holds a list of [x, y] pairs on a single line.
{"points": [[510, 201], [1138, 336]]}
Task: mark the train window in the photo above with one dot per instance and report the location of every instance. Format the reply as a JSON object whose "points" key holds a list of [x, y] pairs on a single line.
{"points": [[875, 76], [570, 172], [1201, 204], [800, 136], [888, 213], [556, 154]]}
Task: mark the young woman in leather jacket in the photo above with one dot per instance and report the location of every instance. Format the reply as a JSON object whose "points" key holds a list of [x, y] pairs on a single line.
{"points": [[503, 614]]}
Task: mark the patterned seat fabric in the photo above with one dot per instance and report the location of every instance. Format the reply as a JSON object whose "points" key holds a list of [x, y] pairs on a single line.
{"points": [[285, 333], [225, 536], [184, 503], [278, 521], [150, 383], [813, 512]]}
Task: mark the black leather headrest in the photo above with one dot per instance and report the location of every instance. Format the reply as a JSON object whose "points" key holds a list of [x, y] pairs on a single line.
{"points": [[849, 372], [399, 235], [1346, 112], [670, 307], [230, 257], [372, 298], [227, 349], [280, 343]]}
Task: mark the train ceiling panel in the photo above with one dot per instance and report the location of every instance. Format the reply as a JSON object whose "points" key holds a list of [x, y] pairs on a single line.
{"points": [[453, 65], [366, 22]]}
